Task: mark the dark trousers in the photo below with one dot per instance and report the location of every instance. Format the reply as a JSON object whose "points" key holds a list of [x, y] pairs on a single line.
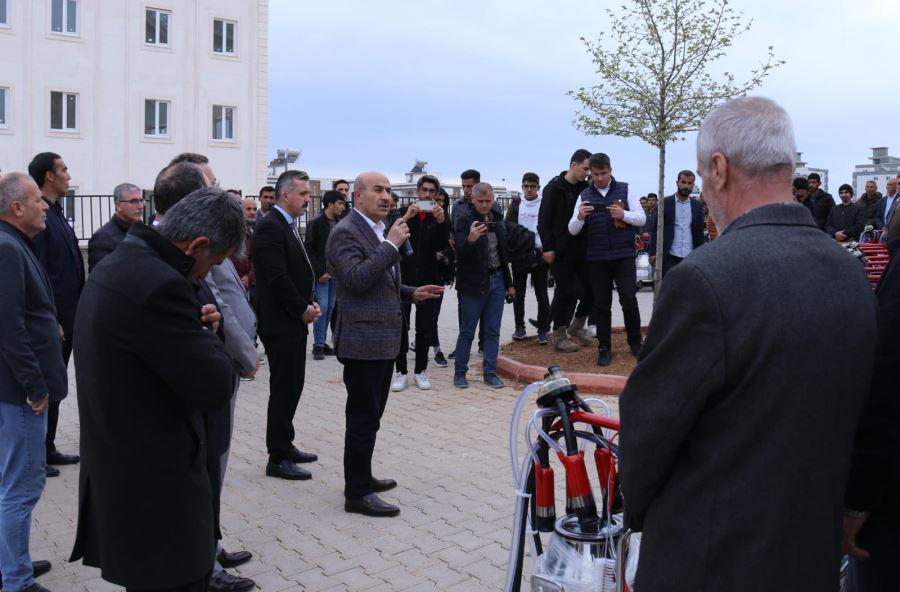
{"points": [[53, 408], [538, 275], [435, 339], [287, 372], [571, 285], [198, 586], [424, 327], [881, 571], [670, 261], [368, 383], [603, 273]]}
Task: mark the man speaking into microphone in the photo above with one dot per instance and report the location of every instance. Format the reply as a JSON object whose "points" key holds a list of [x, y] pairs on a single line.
{"points": [[363, 258]]}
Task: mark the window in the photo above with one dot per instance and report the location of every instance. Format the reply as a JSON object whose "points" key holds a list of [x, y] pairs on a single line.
{"points": [[157, 27], [223, 36], [64, 16], [4, 14], [156, 118], [223, 123], [4, 92], [63, 112]]}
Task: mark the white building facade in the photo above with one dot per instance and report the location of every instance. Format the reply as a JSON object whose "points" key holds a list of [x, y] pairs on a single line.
{"points": [[119, 87], [882, 168]]}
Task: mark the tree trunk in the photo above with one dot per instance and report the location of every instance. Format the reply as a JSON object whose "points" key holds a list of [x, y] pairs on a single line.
{"points": [[659, 224]]}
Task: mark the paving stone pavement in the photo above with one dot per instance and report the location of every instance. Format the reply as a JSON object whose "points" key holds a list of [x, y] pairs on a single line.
{"points": [[447, 449]]}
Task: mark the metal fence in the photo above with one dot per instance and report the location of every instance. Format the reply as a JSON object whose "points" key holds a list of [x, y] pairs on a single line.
{"points": [[87, 213]]}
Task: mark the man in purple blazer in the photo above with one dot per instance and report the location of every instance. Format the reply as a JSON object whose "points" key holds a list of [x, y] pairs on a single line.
{"points": [[363, 256]]}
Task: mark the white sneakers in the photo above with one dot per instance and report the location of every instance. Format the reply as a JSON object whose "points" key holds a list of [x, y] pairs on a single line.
{"points": [[399, 383], [422, 381], [401, 380]]}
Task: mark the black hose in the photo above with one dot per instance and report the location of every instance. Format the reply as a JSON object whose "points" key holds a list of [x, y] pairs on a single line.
{"points": [[568, 432]]}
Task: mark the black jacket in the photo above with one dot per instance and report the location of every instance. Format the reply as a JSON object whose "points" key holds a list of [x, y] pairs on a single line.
{"points": [[426, 237], [57, 249], [146, 370], [520, 246], [317, 233], [285, 282], [105, 240], [557, 206], [821, 202], [849, 219], [472, 273]]}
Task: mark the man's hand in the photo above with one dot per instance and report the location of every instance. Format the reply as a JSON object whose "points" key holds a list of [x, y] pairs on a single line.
{"points": [[40, 405], [324, 278], [438, 213], [210, 314], [616, 211], [840, 236], [548, 257], [511, 292], [62, 334], [411, 212], [477, 230], [427, 293], [584, 209], [246, 281], [652, 259], [439, 256], [852, 524], [312, 313], [398, 233]]}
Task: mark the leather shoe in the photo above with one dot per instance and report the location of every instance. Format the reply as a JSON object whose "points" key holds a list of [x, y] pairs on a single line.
{"points": [[287, 470], [371, 505], [635, 349], [226, 582], [328, 350], [228, 560], [38, 568], [51, 471], [58, 458], [379, 485], [298, 456], [604, 358]]}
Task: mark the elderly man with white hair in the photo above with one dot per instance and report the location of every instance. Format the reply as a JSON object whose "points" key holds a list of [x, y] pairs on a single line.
{"points": [[736, 436]]}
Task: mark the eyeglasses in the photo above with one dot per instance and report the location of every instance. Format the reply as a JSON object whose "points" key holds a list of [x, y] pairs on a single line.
{"points": [[133, 202]]}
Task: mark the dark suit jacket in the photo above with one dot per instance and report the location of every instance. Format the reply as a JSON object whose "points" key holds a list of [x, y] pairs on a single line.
{"points": [[880, 214], [735, 437], [367, 319], [31, 362], [146, 371], [698, 225], [57, 248], [285, 282], [105, 240]]}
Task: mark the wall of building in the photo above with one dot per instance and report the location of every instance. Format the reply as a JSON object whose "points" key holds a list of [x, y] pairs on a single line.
{"points": [[112, 69]]}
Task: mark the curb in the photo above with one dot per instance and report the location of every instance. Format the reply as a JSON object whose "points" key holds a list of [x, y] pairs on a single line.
{"points": [[594, 384]]}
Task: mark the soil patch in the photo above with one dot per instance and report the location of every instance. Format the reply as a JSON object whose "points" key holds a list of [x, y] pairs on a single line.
{"points": [[584, 360]]}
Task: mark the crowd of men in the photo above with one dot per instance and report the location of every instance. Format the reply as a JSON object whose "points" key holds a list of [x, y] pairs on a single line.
{"points": [[733, 424]]}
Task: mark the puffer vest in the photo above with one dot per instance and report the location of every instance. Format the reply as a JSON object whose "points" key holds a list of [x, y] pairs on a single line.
{"points": [[605, 242]]}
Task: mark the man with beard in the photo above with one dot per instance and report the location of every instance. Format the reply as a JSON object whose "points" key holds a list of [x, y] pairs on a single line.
{"points": [[683, 224]]}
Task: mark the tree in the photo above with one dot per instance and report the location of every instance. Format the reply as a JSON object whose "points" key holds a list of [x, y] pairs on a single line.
{"points": [[655, 83]]}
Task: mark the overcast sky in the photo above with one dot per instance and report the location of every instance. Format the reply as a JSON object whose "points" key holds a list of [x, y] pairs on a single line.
{"points": [[360, 85]]}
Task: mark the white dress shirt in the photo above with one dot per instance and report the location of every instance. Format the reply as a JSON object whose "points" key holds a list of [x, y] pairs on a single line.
{"points": [[634, 215]]}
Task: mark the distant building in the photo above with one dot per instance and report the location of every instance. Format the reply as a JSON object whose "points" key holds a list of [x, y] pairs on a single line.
{"points": [[118, 88], [802, 169], [882, 168]]}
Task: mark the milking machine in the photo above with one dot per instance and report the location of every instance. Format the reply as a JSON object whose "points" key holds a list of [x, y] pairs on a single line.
{"points": [[585, 548]]}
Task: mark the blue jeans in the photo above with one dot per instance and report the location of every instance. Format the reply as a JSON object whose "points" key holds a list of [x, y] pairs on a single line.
{"points": [[325, 292], [471, 309], [22, 476]]}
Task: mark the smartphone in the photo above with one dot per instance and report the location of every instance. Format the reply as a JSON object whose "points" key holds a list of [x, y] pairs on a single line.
{"points": [[491, 226], [425, 205]]}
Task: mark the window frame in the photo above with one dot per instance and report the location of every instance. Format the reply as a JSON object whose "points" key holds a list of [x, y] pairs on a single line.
{"points": [[64, 113], [5, 24], [65, 17], [157, 135], [4, 107], [225, 23], [159, 13], [225, 109]]}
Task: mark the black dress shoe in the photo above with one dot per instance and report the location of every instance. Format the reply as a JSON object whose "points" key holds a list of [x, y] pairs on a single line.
{"points": [[298, 456], [58, 458], [371, 505], [635, 349], [38, 568], [287, 470], [226, 582], [52, 471], [328, 350], [604, 358], [228, 560], [379, 485], [318, 352]]}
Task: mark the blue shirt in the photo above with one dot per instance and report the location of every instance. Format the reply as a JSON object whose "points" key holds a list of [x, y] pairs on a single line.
{"points": [[682, 242]]}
